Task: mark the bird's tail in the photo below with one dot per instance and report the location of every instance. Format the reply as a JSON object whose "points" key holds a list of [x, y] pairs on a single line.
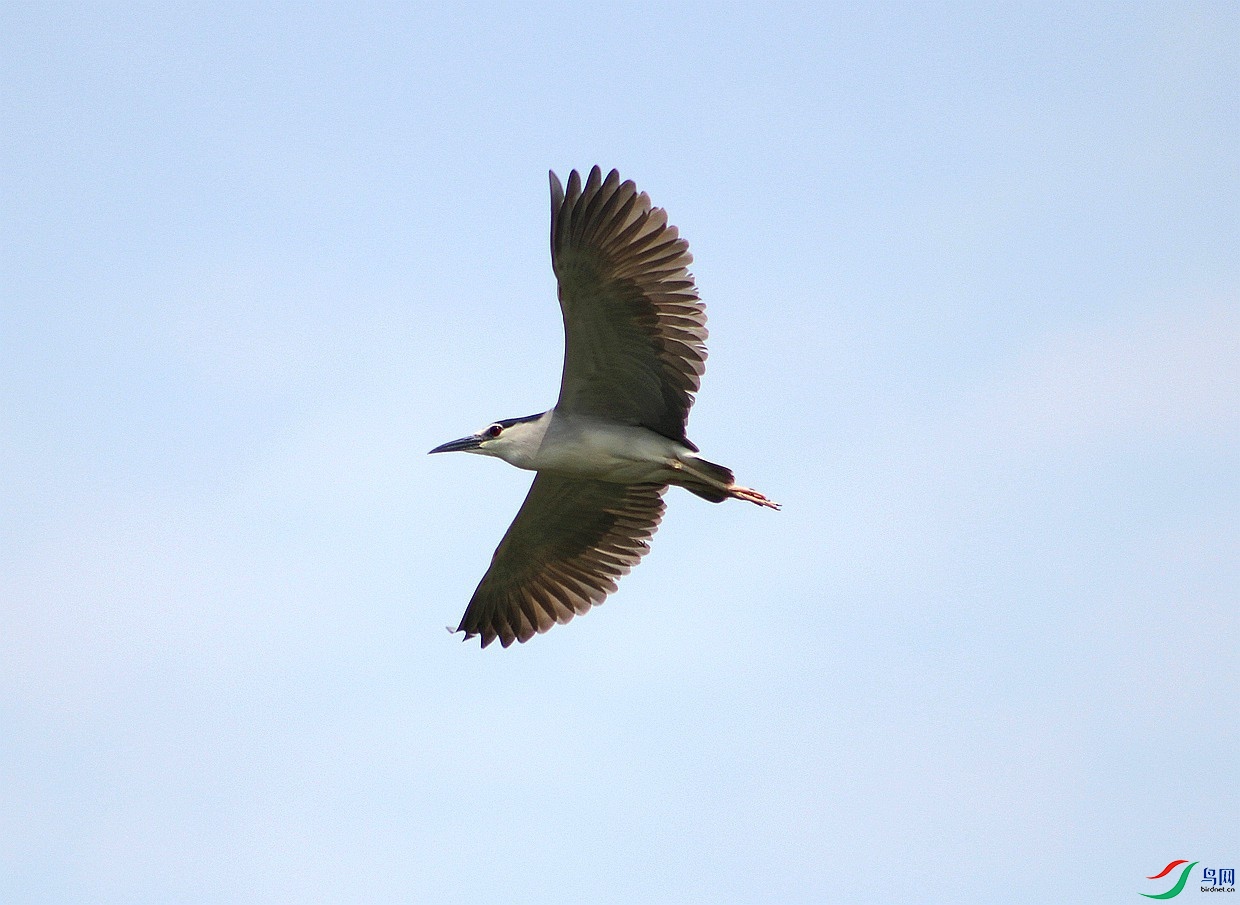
{"points": [[705, 479], [715, 483]]}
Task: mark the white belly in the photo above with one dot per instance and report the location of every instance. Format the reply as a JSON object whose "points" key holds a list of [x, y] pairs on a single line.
{"points": [[610, 452]]}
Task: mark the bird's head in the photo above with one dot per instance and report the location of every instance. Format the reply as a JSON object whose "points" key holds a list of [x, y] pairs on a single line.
{"points": [[510, 440]]}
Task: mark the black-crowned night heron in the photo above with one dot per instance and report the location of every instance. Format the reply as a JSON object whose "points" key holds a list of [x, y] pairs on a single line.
{"points": [[634, 353]]}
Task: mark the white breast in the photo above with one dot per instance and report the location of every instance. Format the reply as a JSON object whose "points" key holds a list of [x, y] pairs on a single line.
{"points": [[612, 452]]}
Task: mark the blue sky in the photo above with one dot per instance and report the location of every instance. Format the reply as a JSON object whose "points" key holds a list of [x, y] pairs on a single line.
{"points": [[973, 275]]}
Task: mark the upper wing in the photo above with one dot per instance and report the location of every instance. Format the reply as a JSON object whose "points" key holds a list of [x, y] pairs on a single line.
{"points": [[570, 541], [634, 330]]}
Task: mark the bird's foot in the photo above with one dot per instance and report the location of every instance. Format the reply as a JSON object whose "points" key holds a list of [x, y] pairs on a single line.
{"points": [[748, 493]]}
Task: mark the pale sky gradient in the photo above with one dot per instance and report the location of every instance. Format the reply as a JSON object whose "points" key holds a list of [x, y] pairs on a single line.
{"points": [[973, 278]]}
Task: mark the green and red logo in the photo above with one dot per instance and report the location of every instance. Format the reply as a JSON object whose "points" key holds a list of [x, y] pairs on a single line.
{"points": [[1179, 884]]}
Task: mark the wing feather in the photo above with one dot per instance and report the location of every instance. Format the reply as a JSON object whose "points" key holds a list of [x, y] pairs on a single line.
{"points": [[634, 329], [571, 540]]}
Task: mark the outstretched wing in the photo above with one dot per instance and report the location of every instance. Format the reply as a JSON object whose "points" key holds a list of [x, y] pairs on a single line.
{"points": [[571, 540], [634, 329]]}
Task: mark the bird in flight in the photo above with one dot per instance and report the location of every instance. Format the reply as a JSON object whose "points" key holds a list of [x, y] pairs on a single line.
{"points": [[634, 353]]}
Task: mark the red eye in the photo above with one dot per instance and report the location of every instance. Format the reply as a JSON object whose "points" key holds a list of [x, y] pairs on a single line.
{"points": [[494, 430]]}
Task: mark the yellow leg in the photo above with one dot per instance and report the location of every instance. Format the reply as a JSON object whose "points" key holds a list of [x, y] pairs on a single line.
{"points": [[748, 493]]}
